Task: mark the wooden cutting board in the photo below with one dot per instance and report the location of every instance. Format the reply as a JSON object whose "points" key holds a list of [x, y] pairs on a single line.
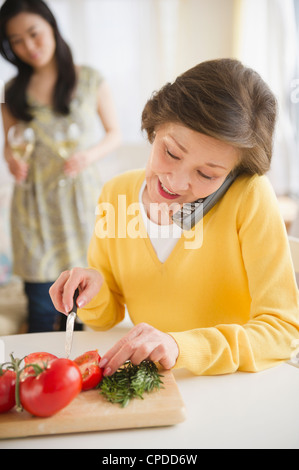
{"points": [[90, 411]]}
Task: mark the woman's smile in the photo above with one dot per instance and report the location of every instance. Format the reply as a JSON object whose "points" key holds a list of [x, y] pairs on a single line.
{"points": [[165, 192]]}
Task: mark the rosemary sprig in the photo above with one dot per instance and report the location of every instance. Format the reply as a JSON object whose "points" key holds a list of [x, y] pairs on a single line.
{"points": [[131, 381]]}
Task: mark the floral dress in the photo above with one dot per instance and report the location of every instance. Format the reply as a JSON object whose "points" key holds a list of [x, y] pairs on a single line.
{"points": [[52, 223]]}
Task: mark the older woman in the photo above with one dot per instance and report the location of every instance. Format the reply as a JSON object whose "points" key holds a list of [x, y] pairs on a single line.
{"points": [[220, 294]]}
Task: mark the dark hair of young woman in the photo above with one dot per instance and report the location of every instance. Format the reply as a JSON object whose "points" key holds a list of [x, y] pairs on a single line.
{"points": [[15, 96]]}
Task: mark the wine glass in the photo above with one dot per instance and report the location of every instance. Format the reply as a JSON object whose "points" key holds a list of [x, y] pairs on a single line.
{"points": [[66, 138], [21, 138]]}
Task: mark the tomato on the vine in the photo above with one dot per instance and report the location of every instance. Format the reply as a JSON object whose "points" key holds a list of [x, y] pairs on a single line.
{"points": [[38, 358], [52, 389], [7, 390], [88, 364], [46, 384]]}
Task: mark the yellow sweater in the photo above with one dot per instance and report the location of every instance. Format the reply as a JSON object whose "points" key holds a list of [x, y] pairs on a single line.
{"points": [[229, 300]]}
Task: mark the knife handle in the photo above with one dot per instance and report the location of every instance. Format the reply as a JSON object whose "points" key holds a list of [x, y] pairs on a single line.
{"points": [[76, 295]]}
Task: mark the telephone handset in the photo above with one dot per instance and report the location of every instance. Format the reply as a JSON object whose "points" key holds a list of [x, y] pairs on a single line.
{"points": [[193, 212]]}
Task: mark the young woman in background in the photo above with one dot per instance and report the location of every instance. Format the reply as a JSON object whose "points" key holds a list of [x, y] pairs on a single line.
{"points": [[54, 199]]}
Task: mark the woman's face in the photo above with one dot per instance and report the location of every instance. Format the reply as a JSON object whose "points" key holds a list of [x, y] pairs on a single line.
{"points": [[185, 165], [32, 39]]}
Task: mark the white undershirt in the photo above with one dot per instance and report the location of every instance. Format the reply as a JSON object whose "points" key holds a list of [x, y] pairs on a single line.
{"points": [[163, 237]]}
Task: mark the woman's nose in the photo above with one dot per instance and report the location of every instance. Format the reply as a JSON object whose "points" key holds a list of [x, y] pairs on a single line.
{"points": [[179, 182], [29, 45]]}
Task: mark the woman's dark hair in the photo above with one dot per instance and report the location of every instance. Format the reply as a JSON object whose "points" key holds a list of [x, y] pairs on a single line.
{"points": [[15, 96], [222, 99]]}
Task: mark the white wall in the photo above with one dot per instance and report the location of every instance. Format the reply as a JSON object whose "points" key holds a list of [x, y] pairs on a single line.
{"points": [[139, 45], [205, 31]]}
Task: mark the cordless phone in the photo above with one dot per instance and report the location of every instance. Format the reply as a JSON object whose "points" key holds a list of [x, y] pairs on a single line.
{"points": [[193, 212]]}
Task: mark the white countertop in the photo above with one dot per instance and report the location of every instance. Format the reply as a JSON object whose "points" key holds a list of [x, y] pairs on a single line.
{"points": [[229, 411]]}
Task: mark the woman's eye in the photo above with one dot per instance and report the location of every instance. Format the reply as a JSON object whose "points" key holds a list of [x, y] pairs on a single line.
{"points": [[172, 156], [205, 176], [15, 42]]}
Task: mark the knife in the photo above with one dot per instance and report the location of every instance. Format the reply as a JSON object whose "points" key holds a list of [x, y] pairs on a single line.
{"points": [[70, 323]]}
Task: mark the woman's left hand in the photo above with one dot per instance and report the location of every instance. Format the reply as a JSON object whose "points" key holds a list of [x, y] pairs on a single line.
{"points": [[142, 342], [77, 163]]}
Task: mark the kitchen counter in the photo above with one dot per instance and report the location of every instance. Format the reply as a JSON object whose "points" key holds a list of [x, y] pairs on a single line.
{"points": [[241, 410]]}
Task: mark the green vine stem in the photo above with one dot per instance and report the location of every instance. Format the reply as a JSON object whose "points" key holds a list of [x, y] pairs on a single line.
{"points": [[15, 365]]}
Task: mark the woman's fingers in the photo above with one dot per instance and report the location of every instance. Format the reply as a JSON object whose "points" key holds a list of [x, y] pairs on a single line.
{"points": [[18, 169], [56, 292], [76, 163], [142, 342], [77, 279], [120, 352], [88, 281], [89, 286]]}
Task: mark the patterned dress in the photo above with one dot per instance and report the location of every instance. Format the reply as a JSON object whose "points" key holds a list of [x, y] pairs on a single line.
{"points": [[52, 223]]}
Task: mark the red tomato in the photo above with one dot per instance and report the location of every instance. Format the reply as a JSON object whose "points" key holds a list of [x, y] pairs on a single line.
{"points": [[7, 390], [88, 364], [52, 390], [39, 358]]}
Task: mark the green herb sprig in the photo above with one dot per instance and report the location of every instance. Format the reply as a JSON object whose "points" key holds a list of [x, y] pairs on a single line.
{"points": [[131, 381]]}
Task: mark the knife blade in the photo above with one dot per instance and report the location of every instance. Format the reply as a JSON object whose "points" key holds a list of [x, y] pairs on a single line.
{"points": [[70, 324]]}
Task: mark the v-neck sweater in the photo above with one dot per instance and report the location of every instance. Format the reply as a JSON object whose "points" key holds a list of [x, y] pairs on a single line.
{"points": [[163, 237], [227, 292]]}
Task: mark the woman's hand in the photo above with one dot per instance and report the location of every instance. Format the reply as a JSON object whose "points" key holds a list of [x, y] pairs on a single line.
{"points": [[142, 342], [88, 281], [18, 169], [111, 140], [77, 163]]}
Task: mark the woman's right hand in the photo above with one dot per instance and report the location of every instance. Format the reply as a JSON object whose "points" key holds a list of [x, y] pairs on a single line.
{"points": [[88, 281], [18, 169]]}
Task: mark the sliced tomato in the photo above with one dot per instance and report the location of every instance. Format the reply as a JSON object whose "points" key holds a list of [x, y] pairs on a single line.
{"points": [[52, 390], [39, 358], [88, 364], [7, 390]]}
